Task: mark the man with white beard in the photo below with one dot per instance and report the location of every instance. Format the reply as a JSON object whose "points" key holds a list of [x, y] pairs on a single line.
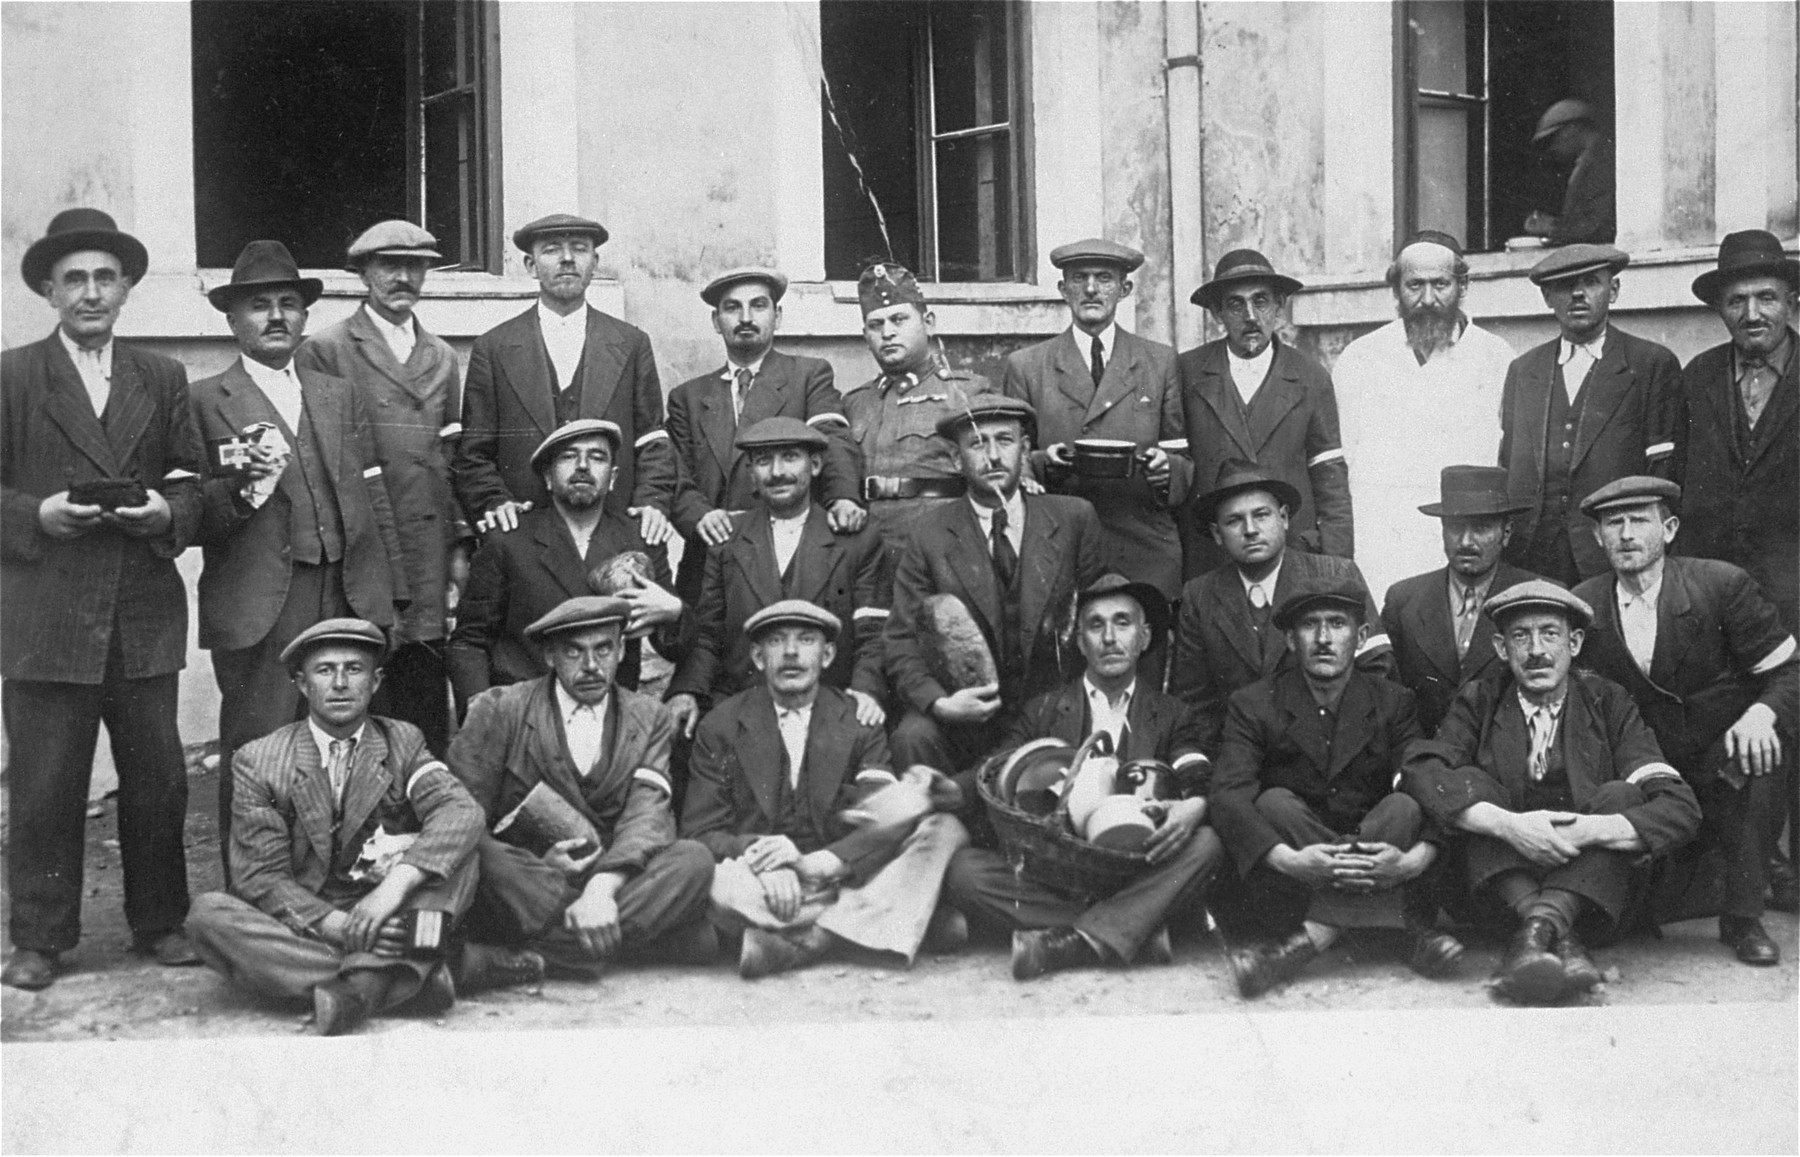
{"points": [[1417, 395]]}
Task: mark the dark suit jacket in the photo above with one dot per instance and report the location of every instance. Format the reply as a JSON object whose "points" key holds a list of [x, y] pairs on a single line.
{"points": [[847, 574], [1290, 429], [513, 740], [1627, 427], [1719, 649], [1421, 628], [518, 577], [1138, 400], [704, 428], [1275, 737], [65, 597], [247, 570], [291, 854], [1218, 649], [416, 410], [1741, 501], [733, 795], [509, 406], [947, 554], [1483, 742], [1160, 727]]}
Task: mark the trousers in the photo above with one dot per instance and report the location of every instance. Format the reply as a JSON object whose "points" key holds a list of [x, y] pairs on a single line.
{"points": [[1599, 875], [1283, 902]]}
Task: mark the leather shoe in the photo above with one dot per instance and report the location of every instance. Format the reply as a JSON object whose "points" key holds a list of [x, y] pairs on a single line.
{"points": [[485, 966], [1157, 949], [1530, 972], [1746, 937], [1261, 968], [1041, 950], [437, 995], [1784, 887], [694, 943], [171, 949], [1432, 953], [765, 953], [337, 1008], [948, 932], [29, 969], [1579, 970]]}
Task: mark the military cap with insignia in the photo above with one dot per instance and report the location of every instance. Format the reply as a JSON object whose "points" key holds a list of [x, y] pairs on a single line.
{"points": [[780, 431], [569, 431], [394, 238], [342, 632], [525, 234], [1574, 260], [793, 612], [1537, 595], [1632, 490], [579, 614], [715, 289], [1096, 251], [885, 283], [986, 407], [1342, 596]]}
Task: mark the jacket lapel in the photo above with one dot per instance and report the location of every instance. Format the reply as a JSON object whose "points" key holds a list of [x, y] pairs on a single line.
{"points": [[1115, 383], [975, 567], [1231, 611], [755, 549], [1784, 402], [759, 752], [603, 363], [1070, 724], [68, 406], [323, 407], [1677, 624], [1277, 396], [556, 551], [1041, 556], [1219, 392], [1074, 378], [314, 808], [768, 392], [825, 743], [1430, 621], [529, 375], [1304, 721], [1510, 739], [815, 560], [718, 422], [1608, 383], [129, 409], [365, 786], [1355, 723], [549, 748], [379, 356]]}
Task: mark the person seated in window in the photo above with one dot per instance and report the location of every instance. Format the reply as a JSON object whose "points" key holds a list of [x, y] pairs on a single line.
{"points": [[1570, 133]]}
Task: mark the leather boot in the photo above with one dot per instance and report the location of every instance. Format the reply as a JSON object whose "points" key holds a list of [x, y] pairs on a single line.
{"points": [[1433, 953], [29, 969], [1261, 968], [1530, 972], [1579, 969], [1748, 938], [340, 1006], [1157, 949], [480, 967], [1042, 950], [765, 953], [948, 932]]}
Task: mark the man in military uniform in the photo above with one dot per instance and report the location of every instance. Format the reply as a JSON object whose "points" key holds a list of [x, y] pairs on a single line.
{"points": [[908, 466]]}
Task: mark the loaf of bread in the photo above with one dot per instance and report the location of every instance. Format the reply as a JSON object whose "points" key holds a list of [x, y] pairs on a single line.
{"points": [[627, 569], [953, 645]]}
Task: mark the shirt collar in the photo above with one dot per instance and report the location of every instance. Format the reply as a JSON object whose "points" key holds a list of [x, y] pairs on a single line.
{"points": [[551, 319], [1777, 359], [1565, 348], [384, 326], [729, 373], [1458, 586], [1096, 695], [1651, 592], [802, 713], [1268, 581], [1556, 708], [1258, 365], [325, 739], [1015, 513], [1085, 341], [567, 705], [790, 523], [265, 377], [76, 352]]}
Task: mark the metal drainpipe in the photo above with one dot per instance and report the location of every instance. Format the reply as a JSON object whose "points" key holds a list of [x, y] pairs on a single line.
{"points": [[1187, 227]]}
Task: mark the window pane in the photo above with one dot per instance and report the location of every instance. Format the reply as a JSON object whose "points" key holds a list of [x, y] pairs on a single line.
{"points": [[1439, 30], [975, 209], [448, 56], [1443, 158], [452, 177], [969, 64], [869, 125]]}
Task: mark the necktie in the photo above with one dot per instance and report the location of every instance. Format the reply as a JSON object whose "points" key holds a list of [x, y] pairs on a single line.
{"points": [[1099, 362], [338, 766], [1541, 724], [1259, 607], [1465, 621], [1756, 382], [1006, 560], [744, 377]]}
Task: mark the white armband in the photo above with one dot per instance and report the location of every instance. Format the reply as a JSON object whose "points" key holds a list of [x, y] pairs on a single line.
{"points": [[1325, 456]]}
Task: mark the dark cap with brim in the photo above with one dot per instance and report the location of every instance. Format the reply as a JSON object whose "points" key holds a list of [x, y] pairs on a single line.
{"points": [[264, 265], [1747, 253], [1238, 476], [393, 239], [1473, 492], [569, 431], [1632, 490], [1156, 607], [781, 430], [1096, 251], [525, 234], [987, 408], [1537, 595], [1575, 260], [579, 614], [715, 289], [1343, 597], [795, 613], [74, 230], [1241, 265], [339, 632]]}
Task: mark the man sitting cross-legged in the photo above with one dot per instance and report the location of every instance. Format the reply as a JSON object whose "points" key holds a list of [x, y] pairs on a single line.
{"points": [[579, 860], [1304, 797], [774, 770], [352, 854], [1116, 621]]}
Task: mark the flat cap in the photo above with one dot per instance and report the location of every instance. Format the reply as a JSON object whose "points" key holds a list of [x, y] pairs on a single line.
{"points": [[1537, 595], [715, 289], [1574, 260], [1342, 596], [793, 612], [780, 431], [986, 407], [1632, 490], [349, 632], [1096, 250], [1156, 607], [395, 238], [525, 234], [885, 283], [1563, 112], [569, 431], [578, 614]]}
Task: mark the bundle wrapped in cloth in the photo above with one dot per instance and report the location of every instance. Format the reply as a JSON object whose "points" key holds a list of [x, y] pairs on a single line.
{"points": [[955, 649]]}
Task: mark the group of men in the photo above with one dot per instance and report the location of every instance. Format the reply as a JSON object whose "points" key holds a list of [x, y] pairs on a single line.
{"points": [[428, 603]]}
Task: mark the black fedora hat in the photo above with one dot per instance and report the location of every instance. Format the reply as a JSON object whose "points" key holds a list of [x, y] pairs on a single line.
{"points": [[73, 230], [1473, 492], [1747, 254], [1241, 265], [264, 265], [1236, 476], [1155, 605]]}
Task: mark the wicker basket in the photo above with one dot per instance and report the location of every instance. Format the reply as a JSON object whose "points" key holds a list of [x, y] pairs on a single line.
{"points": [[1044, 850]]}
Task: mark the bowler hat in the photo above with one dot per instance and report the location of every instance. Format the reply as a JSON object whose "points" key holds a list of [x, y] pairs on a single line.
{"points": [[1237, 476], [781, 431], [1574, 260], [885, 283], [264, 265], [1241, 265], [1156, 607], [1632, 490], [1473, 492], [351, 632], [73, 230], [1096, 251], [793, 612], [985, 407], [1748, 253], [525, 234], [1563, 112], [578, 614], [395, 238], [715, 289], [569, 431], [1537, 595], [1344, 596]]}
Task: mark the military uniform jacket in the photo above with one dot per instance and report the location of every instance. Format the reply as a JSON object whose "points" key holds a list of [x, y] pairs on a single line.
{"points": [[1421, 627], [895, 424], [847, 574], [64, 598], [704, 427], [509, 406], [1139, 401], [1277, 735], [1158, 726], [416, 410], [1290, 428], [292, 849], [513, 740], [247, 550], [1630, 407], [1484, 737], [1720, 647]]}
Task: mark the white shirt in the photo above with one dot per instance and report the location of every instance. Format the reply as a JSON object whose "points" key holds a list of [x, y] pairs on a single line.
{"points": [[794, 723], [584, 727], [1637, 620], [730, 373], [564, 338], [1577, 360], [787, 532], [1015, 522], [323, 741], [1267, 585], [1103, 716], [399, 338], [95, 368], [1085, 343], [281, 387], [1541, 724], [1248, 374]]}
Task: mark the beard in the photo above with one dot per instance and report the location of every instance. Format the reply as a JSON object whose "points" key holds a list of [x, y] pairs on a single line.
{"points": [[1431, 328]]}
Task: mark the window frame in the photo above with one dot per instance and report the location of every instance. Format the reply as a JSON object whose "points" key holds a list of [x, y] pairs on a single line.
{"points": [[484, 208], [1409, 98]]}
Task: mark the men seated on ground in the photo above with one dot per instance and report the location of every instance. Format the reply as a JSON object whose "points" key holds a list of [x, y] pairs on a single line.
{"points": [[1304, 797], [1434, 620], [1224, 640], [1015, 561], [578, 855], [352, 854], [516, 578], [780, 548], [773, 770], [1116, 621], [1712, 668], [1558, 784]]}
